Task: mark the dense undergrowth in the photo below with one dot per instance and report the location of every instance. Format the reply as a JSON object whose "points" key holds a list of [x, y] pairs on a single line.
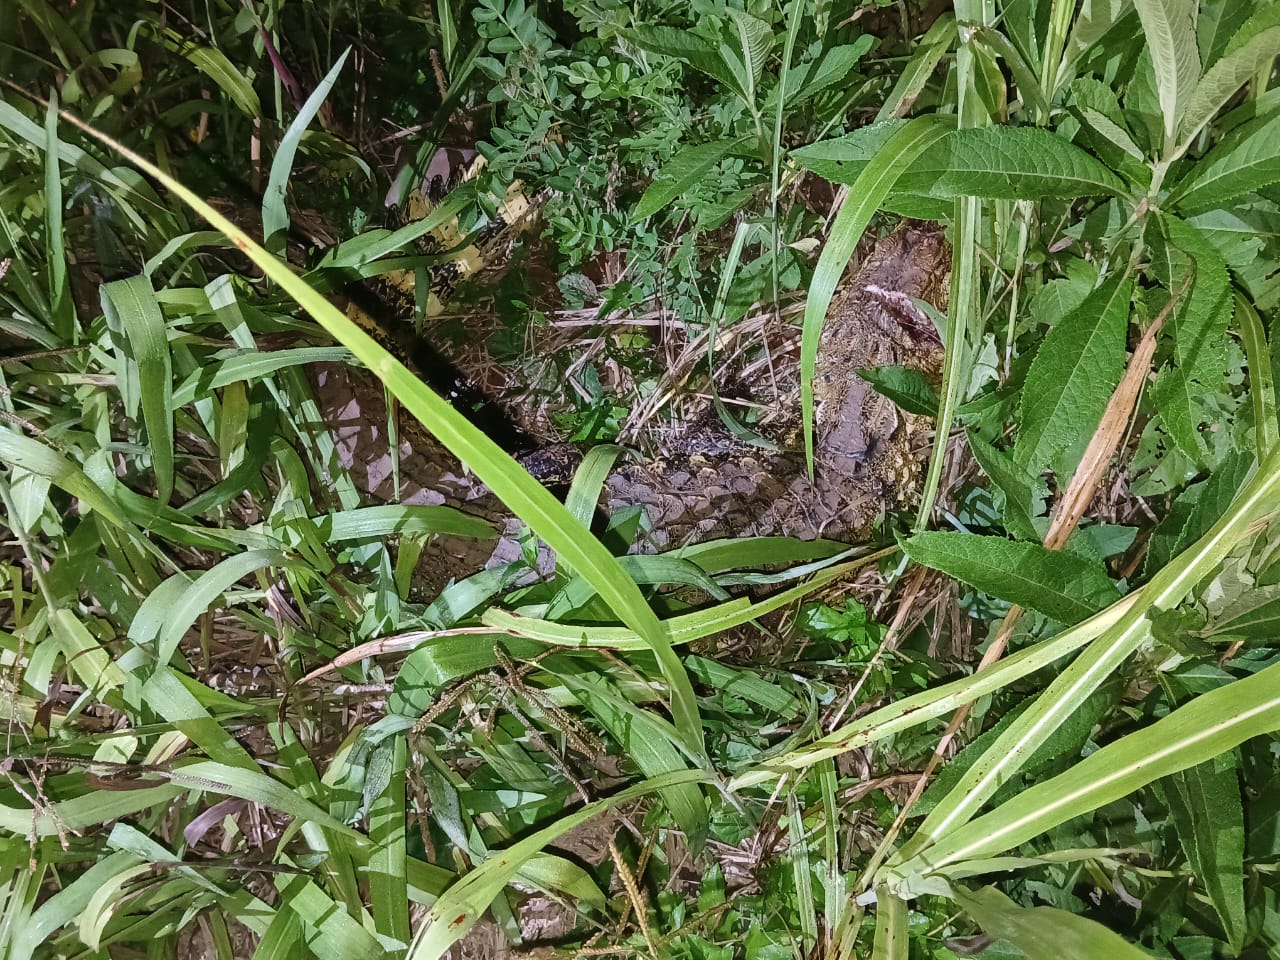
{"points": [[234, 728]]}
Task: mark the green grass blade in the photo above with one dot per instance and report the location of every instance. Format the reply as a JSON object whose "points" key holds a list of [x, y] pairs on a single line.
{"points": [[1199, 731], [1045, 931], [463, 903], [1259, 497], [1262, 386], [532, 502], [61, 307], [275, 216], [134, 308], [388, 879]]}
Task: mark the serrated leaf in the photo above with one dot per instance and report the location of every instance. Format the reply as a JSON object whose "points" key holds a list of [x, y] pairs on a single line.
{"points": [[686, 168], [1072, 378], [1044, 931], [1227, 76], [1218, 22], [905, 386], [1196, 328], [1195, 510], [1245, 160], [1205, 803], [756, 40], [1013, 163], [1169, 27], [688, 48], [830, 68], [1059, 585], [1094, 21], [1023, 493]]}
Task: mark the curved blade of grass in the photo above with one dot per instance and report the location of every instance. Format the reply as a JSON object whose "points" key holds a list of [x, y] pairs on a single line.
{"points": [[924, 706], [530, 501], [137, 311], [1209, 725], [588, 481], [1045, 931], [170, 610], [61, 306], [865, 197], [388, 880], [251, 365], [682, 629], [1262, 387], [33, 456], [462, 904], [1259, 498], [275, 217]]}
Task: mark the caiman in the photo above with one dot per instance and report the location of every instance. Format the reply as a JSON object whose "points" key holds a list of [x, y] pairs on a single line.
{"points": [[707, 485]]}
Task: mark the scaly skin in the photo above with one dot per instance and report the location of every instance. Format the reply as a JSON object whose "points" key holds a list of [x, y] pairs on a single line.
{"points": [[863, 442]]}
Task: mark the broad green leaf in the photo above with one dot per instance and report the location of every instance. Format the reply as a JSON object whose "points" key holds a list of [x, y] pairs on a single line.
{"points": [[1044, 931], [1071, 380], [755, 40], [275, 215], [1197, 329], [462, 904], [1218, 22], [686, 168], [134, 308], [1059, 585], [1224, 78], [905, 386], [1204, 801], [900, 147], [1245, 160], [830, 68], [1015, 163], [1209, 725], [1256, 614], [1023, 493], [687, 47], [1169, 27], [532, 502]]}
